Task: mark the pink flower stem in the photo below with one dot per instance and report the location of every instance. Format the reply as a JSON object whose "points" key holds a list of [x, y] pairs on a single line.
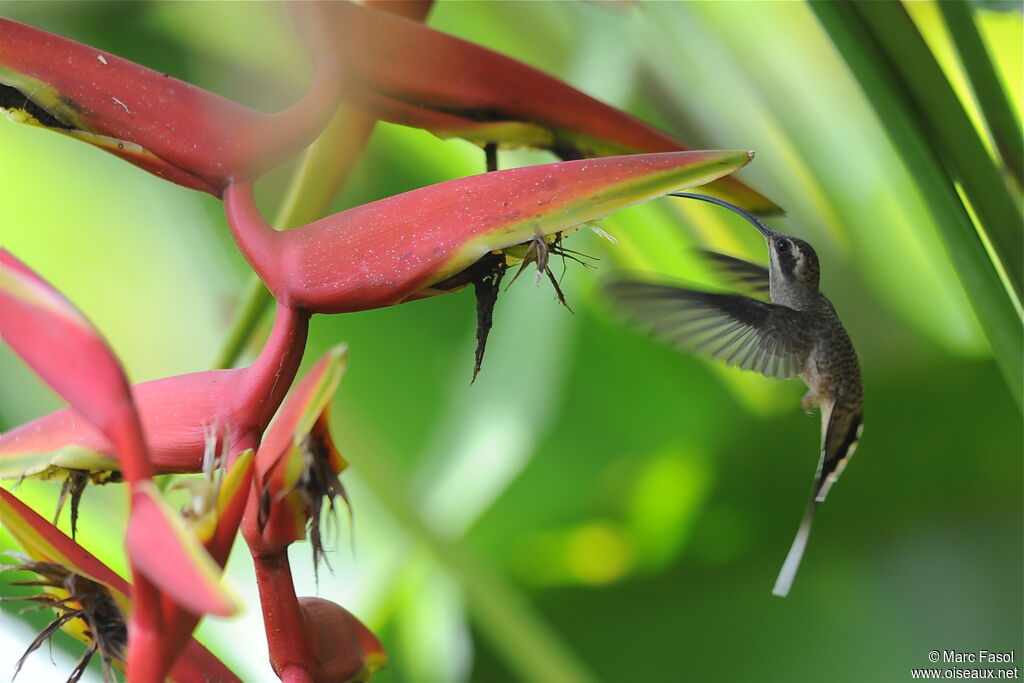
{"points": [[267, 380], [282, 618]]}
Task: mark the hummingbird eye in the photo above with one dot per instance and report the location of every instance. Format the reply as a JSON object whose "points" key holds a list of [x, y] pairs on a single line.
{"points": [[782, 245]]}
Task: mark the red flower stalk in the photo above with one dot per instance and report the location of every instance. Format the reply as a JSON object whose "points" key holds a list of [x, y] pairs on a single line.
{"points": [[177, 131], [407, 73], [395, 249], [297, 470]]}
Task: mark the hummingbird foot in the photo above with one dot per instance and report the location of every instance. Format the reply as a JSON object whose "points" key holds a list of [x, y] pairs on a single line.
{"points": [[809, 402]]}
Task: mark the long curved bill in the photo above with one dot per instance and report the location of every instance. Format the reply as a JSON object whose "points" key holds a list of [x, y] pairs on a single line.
{"points": [[754, 220]]}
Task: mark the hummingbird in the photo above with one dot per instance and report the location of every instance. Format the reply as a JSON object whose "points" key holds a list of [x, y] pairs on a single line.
{"points": [[795, 332]]}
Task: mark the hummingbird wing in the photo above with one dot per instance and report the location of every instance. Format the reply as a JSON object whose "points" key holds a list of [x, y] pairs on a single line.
{"points": [[750, 334], [745, 275]]}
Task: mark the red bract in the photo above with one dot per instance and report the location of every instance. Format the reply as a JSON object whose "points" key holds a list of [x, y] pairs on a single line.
{"points": [[47, 331], [343, 650], [404, 72], [178, 414], [54, 338], [175, 130], [394, 249]]}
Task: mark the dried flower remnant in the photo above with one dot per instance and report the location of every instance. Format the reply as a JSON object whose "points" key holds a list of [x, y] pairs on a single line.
{"points": [[73, 596], [48, 546], [317, 484], [297, 466], [487, 274], [71, 490]]}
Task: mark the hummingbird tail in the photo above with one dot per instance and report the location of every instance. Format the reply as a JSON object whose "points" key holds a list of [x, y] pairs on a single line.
{"points": [[796, 552]]}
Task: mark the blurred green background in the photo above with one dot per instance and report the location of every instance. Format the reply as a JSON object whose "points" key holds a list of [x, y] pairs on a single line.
{"points": [[596, 507]]}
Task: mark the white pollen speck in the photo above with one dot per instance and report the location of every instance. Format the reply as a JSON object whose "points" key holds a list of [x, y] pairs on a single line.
{"points": [[103, 60]]}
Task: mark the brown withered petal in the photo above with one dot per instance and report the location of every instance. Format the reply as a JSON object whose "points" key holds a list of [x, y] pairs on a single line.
{"points": [[486, 289], [87, 600]]}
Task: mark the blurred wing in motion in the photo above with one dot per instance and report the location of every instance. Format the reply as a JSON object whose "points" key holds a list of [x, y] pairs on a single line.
{"points": [[745, 332], [744, 275]]}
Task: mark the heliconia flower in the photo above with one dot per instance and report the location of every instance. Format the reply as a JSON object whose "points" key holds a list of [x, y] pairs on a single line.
{"points": [[168, 127], [297, 465], [403, 72], [58, 342], [181, 416], [343, 649], [397, 248], [93, 603]]}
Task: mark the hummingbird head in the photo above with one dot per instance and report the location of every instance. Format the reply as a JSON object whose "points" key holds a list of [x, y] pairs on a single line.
{"points": [[794, 260], [794, 265]]}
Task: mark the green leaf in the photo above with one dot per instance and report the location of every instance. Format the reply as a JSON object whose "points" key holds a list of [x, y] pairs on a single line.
{"points": [[1002, 121], [894, 90]]}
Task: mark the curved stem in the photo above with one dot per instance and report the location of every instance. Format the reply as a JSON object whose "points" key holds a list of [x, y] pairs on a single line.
{"points": [[254, 304], [298, 125], [267, 380], [256, 239], [324, 169]]}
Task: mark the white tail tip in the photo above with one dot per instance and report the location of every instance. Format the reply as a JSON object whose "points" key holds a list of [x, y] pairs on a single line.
{"points": [[796, 553]]}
